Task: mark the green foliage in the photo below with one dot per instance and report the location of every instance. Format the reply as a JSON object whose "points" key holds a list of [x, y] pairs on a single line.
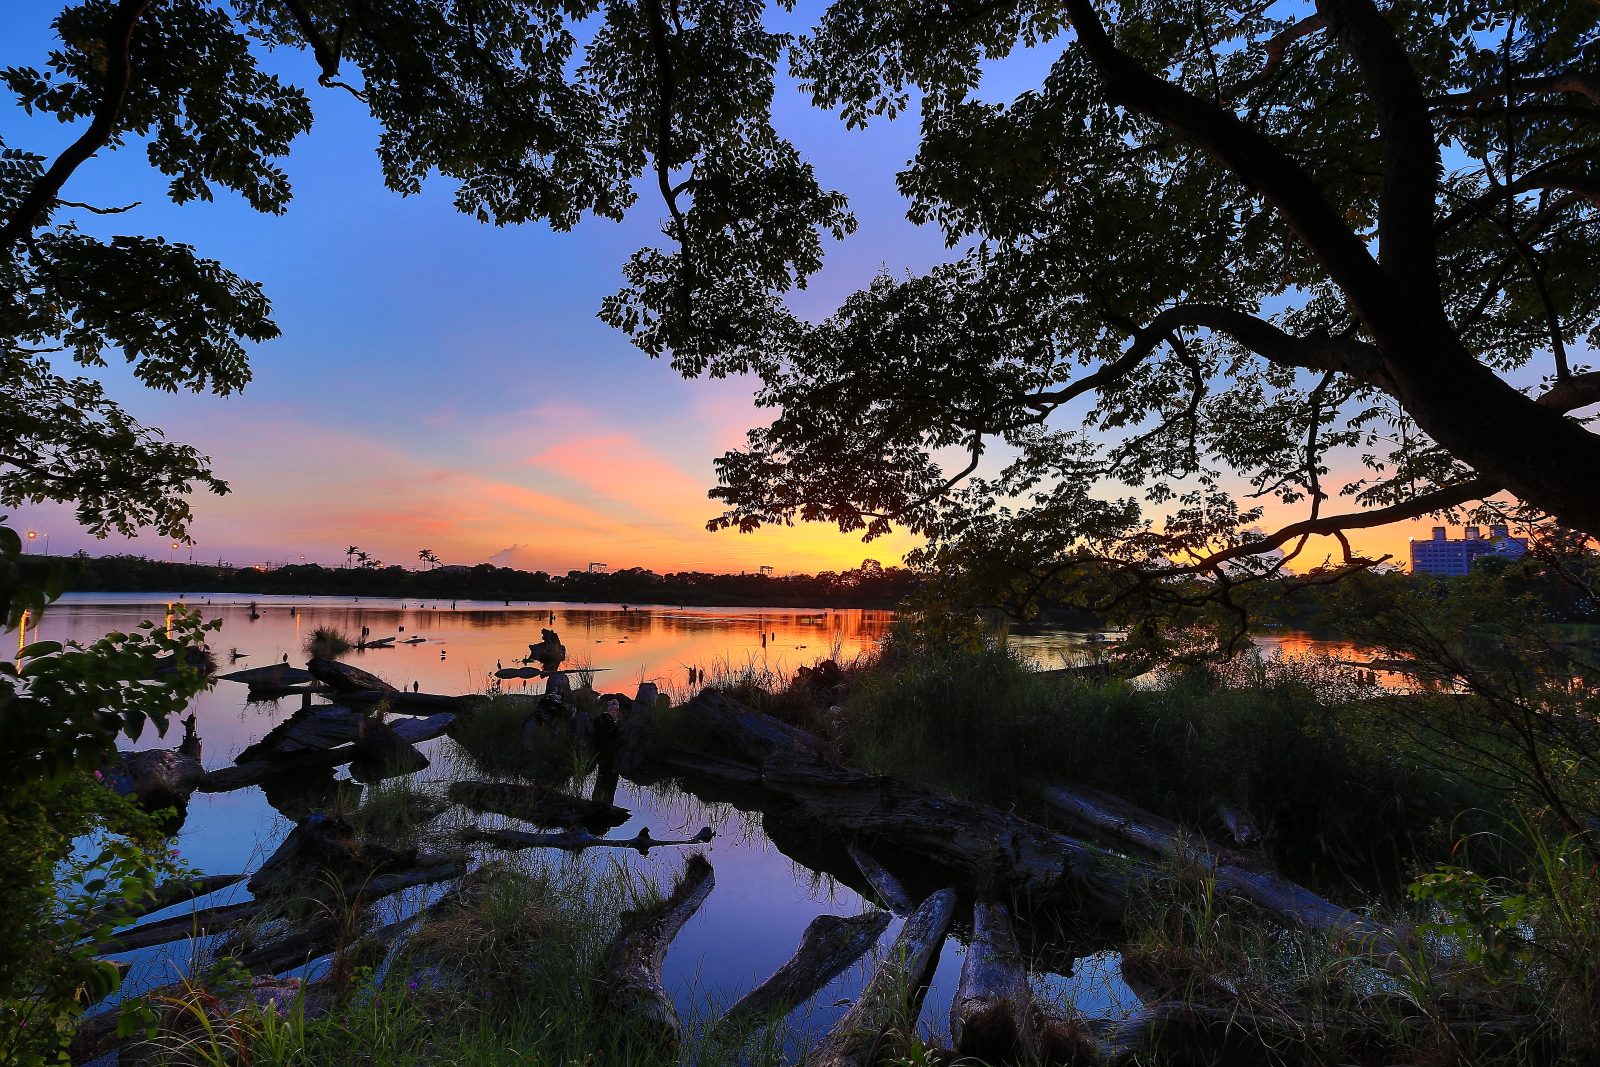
{"points": [[1279, 741], [1485, 921]]}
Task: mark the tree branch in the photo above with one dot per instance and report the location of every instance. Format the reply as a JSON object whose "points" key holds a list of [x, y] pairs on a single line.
{"points": [[1408, 193], [664, 105], [119, 75], [1277, 46], [1573, 81]]}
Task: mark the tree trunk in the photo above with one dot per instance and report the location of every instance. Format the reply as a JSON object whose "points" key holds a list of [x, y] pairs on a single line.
{"points": [[345, 678], [317, 728], [195, 924], [161, 896], [886, 885], [230, 778], [319, 847], [830, 944], [381, 753], [991, 1016], [631, 973], [893, 997]]}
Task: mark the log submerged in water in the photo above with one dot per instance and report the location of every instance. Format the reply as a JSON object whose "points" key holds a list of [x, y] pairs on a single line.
{"points": [[991, 1015], [886, 885], [829, 945], [893, 996], [631, 973], [538, 804], [158, 897], [1147, 834], [195, 924], [579, 839]]}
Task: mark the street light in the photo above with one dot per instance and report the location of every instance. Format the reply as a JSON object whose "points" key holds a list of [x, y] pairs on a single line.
{"points": [[32, 535]]}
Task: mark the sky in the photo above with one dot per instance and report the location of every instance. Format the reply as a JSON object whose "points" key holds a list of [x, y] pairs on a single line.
{"points": [[442, 384]]}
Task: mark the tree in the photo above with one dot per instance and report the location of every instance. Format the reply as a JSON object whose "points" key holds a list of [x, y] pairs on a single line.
{"points": [[427, 556], [1218, 244]]}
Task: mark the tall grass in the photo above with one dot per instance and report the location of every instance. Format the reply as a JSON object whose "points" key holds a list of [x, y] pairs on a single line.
{"points": [[1277, 743], [327, 642]]}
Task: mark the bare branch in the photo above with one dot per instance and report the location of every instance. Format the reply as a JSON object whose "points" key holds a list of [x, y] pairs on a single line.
{"points": [[1573, 81]]}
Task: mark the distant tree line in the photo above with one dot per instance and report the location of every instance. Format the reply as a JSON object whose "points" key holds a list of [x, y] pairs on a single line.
{"points": [[870, 585]]}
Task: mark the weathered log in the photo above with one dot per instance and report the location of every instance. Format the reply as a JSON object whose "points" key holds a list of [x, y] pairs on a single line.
{"points": [[538, 804], [230, 778], [631, 972], [991, 1015], [382, 753], [320, 728], [1007, 852], [829, 945], [579, 839], [741, 733], [703, 765], [273, 674], [344, 677], [893, 996], [886, 885], [195, 924], [158, 897], [581, 730], [1241, 827], [1146, 834], [645, 698], [322, 847], [156, 777], [297, 948], [632, 752], [416, 731], [403, 703]]}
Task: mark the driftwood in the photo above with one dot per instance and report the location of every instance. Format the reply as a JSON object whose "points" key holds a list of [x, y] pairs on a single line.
{"points": [[702, 765], [893, 996], [540, 805], [742, 733], [1241, 827], [886, 885], [991, 1015], [158, 897], [321, 846], [273, 674], [1147, 834], [631, 973], [156, 777], [231, 778], [403, 703], [1011, 854], [829, 945], [579, 839], [345, 678], [382, 753], [295, 949], [195, 924], [322, 727]]}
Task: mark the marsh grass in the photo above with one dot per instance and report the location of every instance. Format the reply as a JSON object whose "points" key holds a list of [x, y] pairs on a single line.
{"points": [[1276, 742], [511, 980], [327, 642]]}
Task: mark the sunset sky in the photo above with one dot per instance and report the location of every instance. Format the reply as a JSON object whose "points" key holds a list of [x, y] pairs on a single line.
{"points": [[444, 384]]}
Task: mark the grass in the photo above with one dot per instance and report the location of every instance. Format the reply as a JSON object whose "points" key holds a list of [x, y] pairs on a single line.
{"points": [[327, 642], [1276, 742]]}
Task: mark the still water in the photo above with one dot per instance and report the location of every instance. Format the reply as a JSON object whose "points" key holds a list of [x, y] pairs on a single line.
{"points": [[763, 898]]}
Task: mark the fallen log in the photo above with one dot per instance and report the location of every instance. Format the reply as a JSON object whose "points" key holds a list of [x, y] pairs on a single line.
{"points": [[1010, 854], [829, 945], [315, 728], [382, 753], [195, 924], [274, 674], [230, 778], [893, 996], [578, 840], [1146, 834], [886, 885], [631, 972], [323, 846], [297, 948], [416, 731], [745, 734], [703, 765], [156, 777], [344, 677], [991, 1015], [158, 897], [403, 703], [538, 804], [1241, 827]]}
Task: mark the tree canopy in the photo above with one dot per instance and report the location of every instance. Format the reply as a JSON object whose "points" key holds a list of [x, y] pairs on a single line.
{"points": [[1216, 244]]}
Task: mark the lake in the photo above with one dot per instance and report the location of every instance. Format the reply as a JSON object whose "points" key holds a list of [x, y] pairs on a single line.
{"points": [[764, 898]]}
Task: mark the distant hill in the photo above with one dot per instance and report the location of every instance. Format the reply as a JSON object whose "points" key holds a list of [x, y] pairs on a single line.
{"points": [[867, 586]]}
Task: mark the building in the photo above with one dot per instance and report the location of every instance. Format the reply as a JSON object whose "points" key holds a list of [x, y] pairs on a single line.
{"points": [[1444, 556]]}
